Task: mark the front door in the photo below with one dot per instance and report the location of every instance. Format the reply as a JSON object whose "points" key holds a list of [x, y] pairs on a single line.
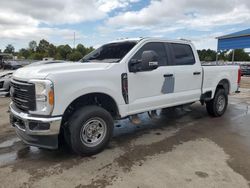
{"points": [[149, 90]]}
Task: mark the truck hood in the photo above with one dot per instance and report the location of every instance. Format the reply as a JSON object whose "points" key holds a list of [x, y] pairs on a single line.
{"points": [[42, 71]]}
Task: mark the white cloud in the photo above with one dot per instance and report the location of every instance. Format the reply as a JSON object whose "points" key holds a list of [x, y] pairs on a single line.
{"points": [[33, 19], [237, 15], [107, 6], [164, 17], [187, 13], [62, 11], [206, 41], [23, 20], [54, 12]]}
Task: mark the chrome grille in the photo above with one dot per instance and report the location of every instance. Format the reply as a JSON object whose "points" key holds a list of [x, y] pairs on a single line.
{"points": [[23, 95]]}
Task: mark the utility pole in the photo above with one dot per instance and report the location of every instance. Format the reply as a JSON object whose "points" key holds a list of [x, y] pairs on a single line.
{"points": [[233, 56], [74, 40]]}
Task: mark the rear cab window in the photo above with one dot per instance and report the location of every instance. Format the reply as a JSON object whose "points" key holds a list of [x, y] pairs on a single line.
{"points": [[182, 54]]}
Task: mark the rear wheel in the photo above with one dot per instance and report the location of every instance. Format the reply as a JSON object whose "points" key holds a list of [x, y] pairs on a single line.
{"points": [[90, 129], [218, 105]]}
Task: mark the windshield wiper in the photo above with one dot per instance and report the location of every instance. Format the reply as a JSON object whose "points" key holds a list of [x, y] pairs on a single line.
{"points": [[116, 60], [101, 60]]}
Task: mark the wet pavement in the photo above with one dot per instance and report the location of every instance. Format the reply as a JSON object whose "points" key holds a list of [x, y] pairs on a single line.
{"points": [[184, 147]]}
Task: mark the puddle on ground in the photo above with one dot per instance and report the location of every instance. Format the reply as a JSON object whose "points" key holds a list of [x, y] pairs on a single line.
{"points": [[7, 158], [9, 143], [170, 118]]}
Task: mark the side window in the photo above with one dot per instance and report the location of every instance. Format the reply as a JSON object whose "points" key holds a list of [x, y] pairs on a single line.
{"points": [[158, 48], [183, 54]]}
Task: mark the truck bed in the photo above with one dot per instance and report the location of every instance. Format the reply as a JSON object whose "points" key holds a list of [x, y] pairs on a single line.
{"points": [[213, 74]]}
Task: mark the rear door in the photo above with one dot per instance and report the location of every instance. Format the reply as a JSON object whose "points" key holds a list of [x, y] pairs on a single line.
{"points": [[187, 72]]}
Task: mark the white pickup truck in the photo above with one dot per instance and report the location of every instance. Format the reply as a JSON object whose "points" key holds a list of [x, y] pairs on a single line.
{"points": [[80, 101]]}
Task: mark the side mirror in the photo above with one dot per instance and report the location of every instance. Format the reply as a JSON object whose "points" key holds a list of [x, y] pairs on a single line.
{"points": [[149, 61]]}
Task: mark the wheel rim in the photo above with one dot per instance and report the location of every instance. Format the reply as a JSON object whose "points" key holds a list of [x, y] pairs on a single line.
{"points": [[221, 103], [93, 132]]}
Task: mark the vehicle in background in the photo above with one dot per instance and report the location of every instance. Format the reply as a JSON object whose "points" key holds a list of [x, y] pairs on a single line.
{"points": [[80, 101], [11, 65], [48, 59], [23, 62], [245, 69], [5, 78]]}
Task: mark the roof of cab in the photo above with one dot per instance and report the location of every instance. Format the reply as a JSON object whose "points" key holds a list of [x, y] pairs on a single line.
{"points": [[150, 39], [127, 40]]}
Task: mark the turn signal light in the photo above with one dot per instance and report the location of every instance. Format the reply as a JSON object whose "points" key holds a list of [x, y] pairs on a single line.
{"points": [[51, 97]]}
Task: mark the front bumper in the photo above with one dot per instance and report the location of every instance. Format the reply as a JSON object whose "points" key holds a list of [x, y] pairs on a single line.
{"points": [[36, 131]]}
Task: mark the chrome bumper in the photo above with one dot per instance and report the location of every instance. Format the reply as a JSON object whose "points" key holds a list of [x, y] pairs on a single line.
{"points": [[22, 122]]}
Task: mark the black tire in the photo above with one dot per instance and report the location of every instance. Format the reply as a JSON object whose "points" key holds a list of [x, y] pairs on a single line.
{"points": [[77, 125], [212, 106]]}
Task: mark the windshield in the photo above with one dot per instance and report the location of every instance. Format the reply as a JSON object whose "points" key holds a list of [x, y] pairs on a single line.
{"points": [[111, 53]]}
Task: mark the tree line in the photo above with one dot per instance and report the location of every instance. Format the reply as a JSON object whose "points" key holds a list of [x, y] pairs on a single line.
{"points": [[44, 49], [65, 52], [210, 55]]}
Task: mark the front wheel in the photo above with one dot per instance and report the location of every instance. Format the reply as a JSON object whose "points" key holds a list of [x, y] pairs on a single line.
{"points": [[218, 105], [90, 129]]}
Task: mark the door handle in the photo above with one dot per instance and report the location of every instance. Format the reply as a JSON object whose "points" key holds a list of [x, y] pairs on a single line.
{"points": [[196, 73], [168, 75]]}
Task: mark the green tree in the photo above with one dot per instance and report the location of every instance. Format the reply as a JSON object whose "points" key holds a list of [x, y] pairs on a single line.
{"points": [[9, 49], [58, 56], [64, 50], [24, 53], [80, 48], [74, 56], [43, 47], [90, 49], [239, 55], [36, 56], [32, 45], [223, 55], [51, 50], [207, 55], [47, 49]]}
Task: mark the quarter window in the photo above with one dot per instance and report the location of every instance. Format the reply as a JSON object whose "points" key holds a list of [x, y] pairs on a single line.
{"points": [[183, 54]]}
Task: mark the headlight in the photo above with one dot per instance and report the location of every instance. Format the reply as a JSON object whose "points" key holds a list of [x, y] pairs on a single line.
{"points": [[44, 92]]}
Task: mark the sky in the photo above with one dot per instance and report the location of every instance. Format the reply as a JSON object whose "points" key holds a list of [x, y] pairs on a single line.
{"points": [[95, 22]]}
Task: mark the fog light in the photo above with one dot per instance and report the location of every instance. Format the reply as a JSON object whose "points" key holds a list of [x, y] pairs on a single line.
{"points": [[37, 126]]}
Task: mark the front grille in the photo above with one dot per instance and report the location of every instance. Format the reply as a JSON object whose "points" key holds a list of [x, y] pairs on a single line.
{"points": [[1, 84], [23, 95]]}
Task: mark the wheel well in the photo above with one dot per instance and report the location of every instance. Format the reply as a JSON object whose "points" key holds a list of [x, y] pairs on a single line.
{"points": [[99, 99], [224, 84]]}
